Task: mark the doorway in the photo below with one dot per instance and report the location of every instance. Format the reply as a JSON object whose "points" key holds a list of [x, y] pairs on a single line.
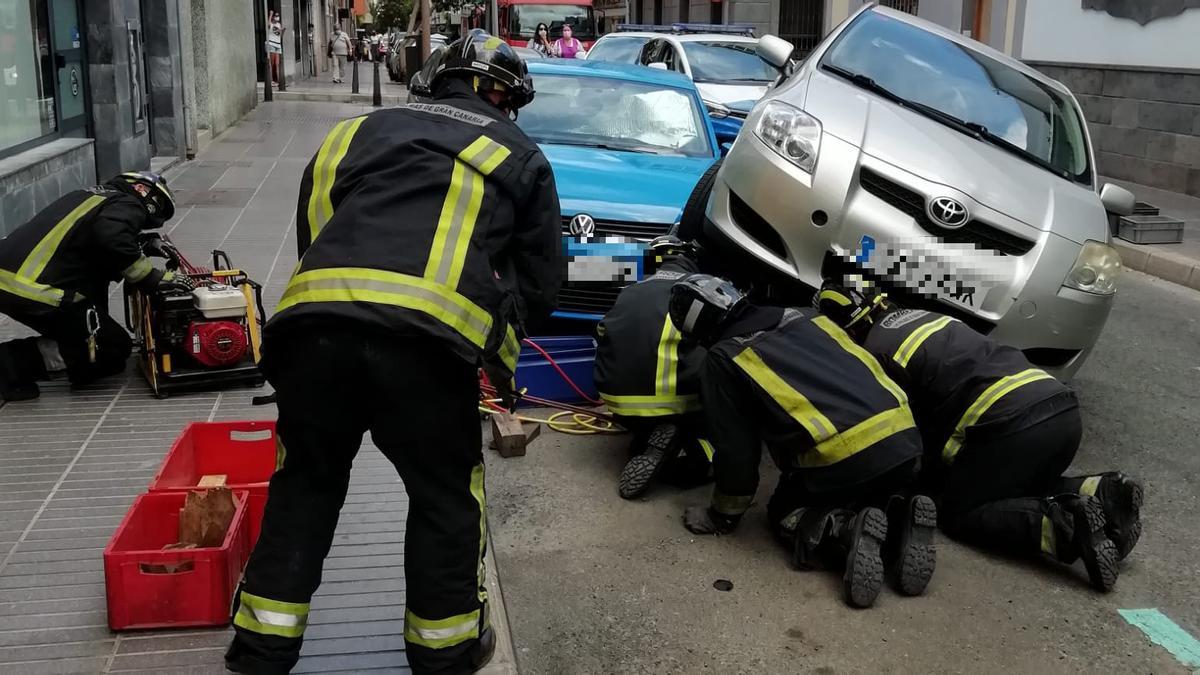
{"points": [[70, 66], [802, 23]]}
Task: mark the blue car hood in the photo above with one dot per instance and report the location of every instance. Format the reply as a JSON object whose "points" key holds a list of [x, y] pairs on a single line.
{"points": [[626, 186]]}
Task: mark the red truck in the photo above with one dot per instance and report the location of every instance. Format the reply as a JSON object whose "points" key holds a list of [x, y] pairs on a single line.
{"points": [[519, 18]]}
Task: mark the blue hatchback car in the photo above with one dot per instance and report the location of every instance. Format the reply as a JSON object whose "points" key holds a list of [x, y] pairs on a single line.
{"points": [[627, 144]]}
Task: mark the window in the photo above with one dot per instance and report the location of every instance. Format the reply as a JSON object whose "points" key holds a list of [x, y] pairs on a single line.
{"points": [[727, 62], [618, 49], [26, 73], [578, 17]]}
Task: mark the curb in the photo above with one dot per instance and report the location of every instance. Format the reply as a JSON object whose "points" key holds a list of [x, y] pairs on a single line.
{"points": [[504, 661], [1165, 265]]}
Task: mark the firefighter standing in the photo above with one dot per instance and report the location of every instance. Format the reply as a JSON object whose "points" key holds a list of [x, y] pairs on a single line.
{"points": [[998, 434], [649, 377], [428, 233], [55, 271], [838, 428]]}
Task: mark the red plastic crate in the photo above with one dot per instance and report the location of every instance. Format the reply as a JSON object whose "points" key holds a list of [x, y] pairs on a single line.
{"points": [[200, 596]]}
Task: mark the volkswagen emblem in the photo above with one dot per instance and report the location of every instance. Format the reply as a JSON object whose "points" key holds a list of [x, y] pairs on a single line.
{"points": [[583, 225], [948, 212]]}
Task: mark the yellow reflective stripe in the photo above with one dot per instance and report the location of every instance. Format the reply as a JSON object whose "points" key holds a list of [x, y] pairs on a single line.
{"points": [[668, 359], [1048, 546], [510, 350], [271, 617], [484, 154], [30, 290], [280, 453], [479, 493], [360, 284], [915, 339], [651, 406], [859, 437], [440, 633], [707, 448], [138, 270], [460, 210], [35, 263], [834, 296], [999, 389], [1090, 485], [333, 150], [793, 402], [863, 355], [730, 505]]}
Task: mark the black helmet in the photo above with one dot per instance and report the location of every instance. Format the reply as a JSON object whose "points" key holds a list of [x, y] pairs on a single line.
{"points": [[151, 189], [490, 64], [701, 305], [851, 309]]}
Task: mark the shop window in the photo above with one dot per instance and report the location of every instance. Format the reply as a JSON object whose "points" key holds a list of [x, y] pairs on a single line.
{"points": [[26, 73]]}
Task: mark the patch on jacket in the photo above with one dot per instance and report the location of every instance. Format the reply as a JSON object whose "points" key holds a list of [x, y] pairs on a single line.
{"points": [[901, 318], [451, 112]]}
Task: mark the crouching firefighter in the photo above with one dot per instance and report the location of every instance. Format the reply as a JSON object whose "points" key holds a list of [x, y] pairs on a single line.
{"points": [[55, 271], [837, 427], [649, 377], [998, 436], [428, 235]]}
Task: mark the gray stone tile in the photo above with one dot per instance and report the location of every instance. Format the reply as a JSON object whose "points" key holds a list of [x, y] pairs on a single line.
{"points": [[352, 645], [169, 642], [167, 659], [326, 664], [60, 651], [88, 666], [394, 627], [323, 601], [1173, 117], [66, 620], [54, 636]]}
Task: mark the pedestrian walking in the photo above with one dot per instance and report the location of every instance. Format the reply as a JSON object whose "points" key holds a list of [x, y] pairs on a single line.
{"points": [[382, 328], [275, 44], [339, 48]]}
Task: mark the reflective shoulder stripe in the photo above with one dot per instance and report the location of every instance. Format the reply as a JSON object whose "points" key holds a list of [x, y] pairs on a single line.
{"points": [[651, 406], [1090, 485], [863, 355], [30, 290], [139, 270], [441, 633], [730, 505], [271, 617], [917, 338], [333, 150], [460, 210], [793, 402], [835, 297], [35, 263], [998, 390], [859, 437], [668, 359], [358, 284]]}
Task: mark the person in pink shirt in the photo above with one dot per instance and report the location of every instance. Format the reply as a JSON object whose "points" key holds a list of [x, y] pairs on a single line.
{"points": [[567, 46]]}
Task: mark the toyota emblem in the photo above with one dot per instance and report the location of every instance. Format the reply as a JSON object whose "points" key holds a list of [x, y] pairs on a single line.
{"points": [[948, 212], [583, 225]]}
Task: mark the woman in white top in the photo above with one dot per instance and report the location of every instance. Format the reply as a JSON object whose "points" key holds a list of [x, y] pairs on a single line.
{"points": [[275, 44], [339, 48], [541, 41]]}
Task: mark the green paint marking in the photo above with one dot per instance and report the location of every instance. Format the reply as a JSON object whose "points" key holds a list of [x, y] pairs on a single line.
{"points": [[1166, 634]]}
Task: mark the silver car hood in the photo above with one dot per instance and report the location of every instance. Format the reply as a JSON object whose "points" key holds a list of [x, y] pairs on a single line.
{"points": [[933, 151]]}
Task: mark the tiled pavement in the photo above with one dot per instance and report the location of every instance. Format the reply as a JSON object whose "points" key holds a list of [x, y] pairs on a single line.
{"points": [[72, 462]]}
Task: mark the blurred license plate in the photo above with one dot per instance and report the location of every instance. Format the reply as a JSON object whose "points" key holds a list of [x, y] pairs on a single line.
{"points": [[604, 259], [956, 273]]}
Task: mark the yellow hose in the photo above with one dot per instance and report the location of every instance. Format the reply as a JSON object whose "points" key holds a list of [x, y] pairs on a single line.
{"points": [[579, 424]]}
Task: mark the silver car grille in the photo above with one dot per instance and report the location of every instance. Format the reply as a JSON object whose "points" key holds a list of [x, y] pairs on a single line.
{"points": [[619, 228]]}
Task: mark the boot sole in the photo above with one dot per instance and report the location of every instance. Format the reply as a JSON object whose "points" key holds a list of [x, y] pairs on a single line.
{"points": [[863, 578], [642, 469], [1125, 527], [918, 557], [1098, 552]]}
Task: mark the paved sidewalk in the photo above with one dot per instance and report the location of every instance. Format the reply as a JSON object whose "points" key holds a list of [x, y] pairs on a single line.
{"points": [[1178, 263], [72, 462], [321, 90]]}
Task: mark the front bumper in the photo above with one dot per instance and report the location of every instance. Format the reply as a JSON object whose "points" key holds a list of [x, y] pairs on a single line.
{"points": [[803, 226]]}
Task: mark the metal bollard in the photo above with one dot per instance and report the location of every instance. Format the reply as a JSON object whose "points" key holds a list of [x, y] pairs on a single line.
{"points": [[282, 75], [267, 94], [354, 78], [376, 95]]}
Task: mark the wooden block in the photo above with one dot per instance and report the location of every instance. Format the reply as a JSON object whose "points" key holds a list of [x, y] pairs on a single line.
{"points": [[532, 431], [212, 481], [508, 435], [205, 517]]}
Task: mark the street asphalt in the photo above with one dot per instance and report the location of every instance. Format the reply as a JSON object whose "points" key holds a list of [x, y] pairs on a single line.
{"points": [[595, 584]]}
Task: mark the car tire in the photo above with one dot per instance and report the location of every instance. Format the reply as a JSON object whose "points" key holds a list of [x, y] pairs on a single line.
{"points": [[691, 223]]}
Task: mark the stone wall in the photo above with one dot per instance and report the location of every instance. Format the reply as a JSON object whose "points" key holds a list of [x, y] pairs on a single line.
{"points": [[1145, 123], [120, 146], [32, 180], [223, 50], [165, 72]]}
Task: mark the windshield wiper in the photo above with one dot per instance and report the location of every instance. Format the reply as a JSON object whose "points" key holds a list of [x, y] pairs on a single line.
{"points": [[973, 129], [606, 146]]}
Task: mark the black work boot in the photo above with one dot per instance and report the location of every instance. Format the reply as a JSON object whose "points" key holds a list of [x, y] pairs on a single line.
{"points": [[806, 529], [482, 653], [864, 562], [14, 384], [909, 553], [1121, 498], [1091, 543], [662, 445]]}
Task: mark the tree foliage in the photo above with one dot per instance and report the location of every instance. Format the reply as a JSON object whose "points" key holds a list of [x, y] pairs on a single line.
{"points": [[392, 14]]}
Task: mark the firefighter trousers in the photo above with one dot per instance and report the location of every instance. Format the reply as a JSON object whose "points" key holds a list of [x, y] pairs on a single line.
{"points": [[795, 491], [999, 493], [68, 328], [419, 401]]}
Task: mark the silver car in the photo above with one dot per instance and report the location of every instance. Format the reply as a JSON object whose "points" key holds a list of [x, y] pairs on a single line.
{"points": [[904, 155]]}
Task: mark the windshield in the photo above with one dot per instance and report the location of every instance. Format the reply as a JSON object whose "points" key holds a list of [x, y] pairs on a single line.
{"points": [[525, 19], [618, 49], [615, 114], [727, 62], [1023, 114]]}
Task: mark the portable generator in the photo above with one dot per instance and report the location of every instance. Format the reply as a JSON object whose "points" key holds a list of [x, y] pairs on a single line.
{"points": [[205, 339]]}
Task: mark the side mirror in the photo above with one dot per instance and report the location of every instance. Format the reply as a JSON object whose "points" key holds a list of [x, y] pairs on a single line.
{"points": [[658, 65], [1117, 199], [774, 50]]}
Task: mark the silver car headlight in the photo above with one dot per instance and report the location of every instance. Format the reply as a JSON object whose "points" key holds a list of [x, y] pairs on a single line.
{"points": [[791, 132], [1096, 269]]}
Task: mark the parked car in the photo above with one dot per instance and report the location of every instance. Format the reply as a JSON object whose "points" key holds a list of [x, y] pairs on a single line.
{"points": [[627, 145], [526, 53], [396, 57], [955, 177], [721, 60]]}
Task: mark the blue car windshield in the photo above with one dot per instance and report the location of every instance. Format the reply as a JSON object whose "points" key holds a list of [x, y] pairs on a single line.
{"points": [[727, 62], [615, 114], [954, 85]]}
